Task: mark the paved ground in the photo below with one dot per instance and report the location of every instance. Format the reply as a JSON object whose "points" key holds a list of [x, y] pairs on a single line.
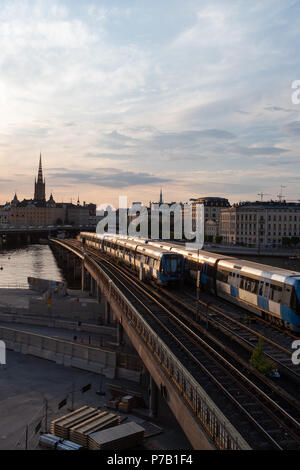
{"points": [[26, 381]]}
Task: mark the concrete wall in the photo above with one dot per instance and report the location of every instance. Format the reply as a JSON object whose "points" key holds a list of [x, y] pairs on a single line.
{"points": [[56, 323], [62, 352], [84, 309], [41, 285]]}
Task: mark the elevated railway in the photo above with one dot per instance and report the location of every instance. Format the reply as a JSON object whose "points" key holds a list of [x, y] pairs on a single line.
{"points": [[258, 413]]}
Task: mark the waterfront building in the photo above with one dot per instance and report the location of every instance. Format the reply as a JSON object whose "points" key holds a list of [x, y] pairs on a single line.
{"points": [[41, 212], [212, 211], [261, 224]]}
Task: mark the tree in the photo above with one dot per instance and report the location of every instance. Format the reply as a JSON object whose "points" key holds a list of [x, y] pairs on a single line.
{"points": [[219, 239], [260, 361]]}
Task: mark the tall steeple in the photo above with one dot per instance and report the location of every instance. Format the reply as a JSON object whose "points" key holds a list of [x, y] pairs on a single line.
{"points": [[161, 197], [40, 184]]}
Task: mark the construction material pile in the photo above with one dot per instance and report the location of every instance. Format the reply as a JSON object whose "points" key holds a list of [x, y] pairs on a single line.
{"points": [[103, 420], [127, 403], [94, 429], [61, 426], [121, 437]]}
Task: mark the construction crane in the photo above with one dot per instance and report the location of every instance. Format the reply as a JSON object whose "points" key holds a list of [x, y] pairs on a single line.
{"points": [[280, 196], [262, 195]]}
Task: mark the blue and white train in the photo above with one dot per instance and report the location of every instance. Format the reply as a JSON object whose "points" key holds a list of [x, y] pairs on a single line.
{"points": [[273, 293], [151, 261]]}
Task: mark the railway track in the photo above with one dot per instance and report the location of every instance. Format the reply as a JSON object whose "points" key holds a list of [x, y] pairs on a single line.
{"points": [[260, 419], [277, 343], [237, 323], [228, 318], [266, 416]]}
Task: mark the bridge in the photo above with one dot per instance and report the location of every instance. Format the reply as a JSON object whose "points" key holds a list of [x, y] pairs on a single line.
{"points": [[28, 234], [202, 421]]}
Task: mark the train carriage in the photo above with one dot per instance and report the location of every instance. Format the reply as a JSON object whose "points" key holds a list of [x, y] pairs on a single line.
{"points": [[271, 292], [153, 262]]}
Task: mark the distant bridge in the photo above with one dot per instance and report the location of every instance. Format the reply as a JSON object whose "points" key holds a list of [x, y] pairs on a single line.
{"points": [[32, 234], [47, 229]]}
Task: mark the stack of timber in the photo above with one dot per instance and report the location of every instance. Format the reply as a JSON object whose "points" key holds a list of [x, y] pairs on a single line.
{"points": [[118, 391], [121, 437], [61, 426], [127, 403], [113, 404], [103, 420]]}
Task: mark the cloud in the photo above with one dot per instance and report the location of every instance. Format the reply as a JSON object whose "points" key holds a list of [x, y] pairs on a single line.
{"points": [[253, 151], [110, 156], [293, 128], [191, 136], [278, 108], [109, 177], [148, 88]]}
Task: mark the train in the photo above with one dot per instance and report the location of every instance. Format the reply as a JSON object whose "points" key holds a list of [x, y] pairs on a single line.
{"points": [[150, 261], [270, 292]]}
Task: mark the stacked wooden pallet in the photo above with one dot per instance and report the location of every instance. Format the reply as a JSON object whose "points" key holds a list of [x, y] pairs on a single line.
{"points": [[103, 420], [113, 404], [127, 403], [61, 426], [121, 437], [117, 392]]}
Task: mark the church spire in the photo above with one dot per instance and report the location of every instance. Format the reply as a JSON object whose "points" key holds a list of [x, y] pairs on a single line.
{"points": [[39, 184], [161, 197], [40, 174]]}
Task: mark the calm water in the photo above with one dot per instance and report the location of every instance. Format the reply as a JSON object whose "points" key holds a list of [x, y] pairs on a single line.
{"points": [[32, 260]]}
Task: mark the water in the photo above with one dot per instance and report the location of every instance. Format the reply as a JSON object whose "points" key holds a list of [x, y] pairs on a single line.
{"points": [[30, 261]]}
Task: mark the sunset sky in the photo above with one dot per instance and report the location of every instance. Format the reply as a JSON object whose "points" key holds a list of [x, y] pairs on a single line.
{"points": [[124, 97]]}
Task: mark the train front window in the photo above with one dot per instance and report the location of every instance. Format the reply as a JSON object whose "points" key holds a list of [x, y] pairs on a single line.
{"points": [[173, 264]]}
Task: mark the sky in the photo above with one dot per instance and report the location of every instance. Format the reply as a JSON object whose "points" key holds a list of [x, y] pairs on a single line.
{"points": [[124, 97]]}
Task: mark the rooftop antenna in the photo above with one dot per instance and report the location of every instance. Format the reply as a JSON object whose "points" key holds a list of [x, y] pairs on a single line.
{"points": [[262, 195], [280, 196]]}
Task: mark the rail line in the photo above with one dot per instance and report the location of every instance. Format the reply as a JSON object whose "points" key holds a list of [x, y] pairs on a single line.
{"points": [[264, 422], [210, 367], [228, 318]]}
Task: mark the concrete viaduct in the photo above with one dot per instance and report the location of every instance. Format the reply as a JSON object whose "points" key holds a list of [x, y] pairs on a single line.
{"points": [[202, 421]]}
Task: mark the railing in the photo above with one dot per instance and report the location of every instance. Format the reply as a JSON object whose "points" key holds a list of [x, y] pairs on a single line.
{"points": [[212, 420]]}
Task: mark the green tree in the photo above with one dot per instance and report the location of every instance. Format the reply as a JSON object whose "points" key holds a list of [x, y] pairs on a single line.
{"points": [[260, 361]]}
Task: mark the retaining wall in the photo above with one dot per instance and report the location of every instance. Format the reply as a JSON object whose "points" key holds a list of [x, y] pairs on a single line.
{"points": [[60, 351]]}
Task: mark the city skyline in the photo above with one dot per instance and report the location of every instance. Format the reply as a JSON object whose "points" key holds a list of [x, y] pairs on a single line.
{"points": [[126, 98]]}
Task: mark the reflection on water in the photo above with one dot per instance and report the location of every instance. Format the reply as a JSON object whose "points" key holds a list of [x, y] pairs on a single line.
{"points": [[32, 260]]}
